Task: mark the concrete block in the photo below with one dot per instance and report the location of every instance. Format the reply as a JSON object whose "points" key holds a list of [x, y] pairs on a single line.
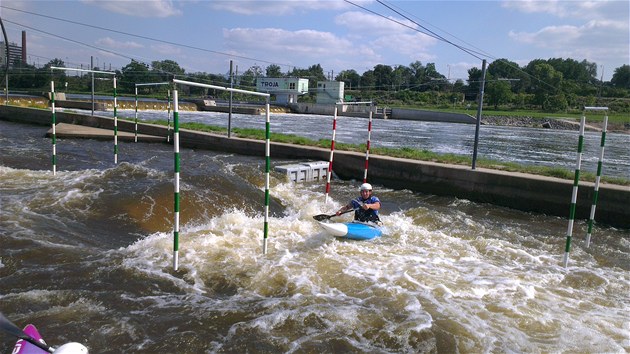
{"points": [[305, 171], [295, 173], [319, 170]]}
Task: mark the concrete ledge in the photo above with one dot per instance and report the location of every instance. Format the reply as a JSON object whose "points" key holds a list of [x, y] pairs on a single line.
{"points": [[81, 105], [73, 131], [519, 191]]}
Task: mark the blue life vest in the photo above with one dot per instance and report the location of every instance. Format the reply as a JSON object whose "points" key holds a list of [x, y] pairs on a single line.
{"points": [[365, 215]]}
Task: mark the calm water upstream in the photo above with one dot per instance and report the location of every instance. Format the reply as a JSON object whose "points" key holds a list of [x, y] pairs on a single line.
{"points": [[87, 254], [529, 146]]}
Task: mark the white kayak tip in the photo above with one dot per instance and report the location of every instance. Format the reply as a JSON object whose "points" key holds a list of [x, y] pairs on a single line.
{"points": [[335, 229], [71, 348]]}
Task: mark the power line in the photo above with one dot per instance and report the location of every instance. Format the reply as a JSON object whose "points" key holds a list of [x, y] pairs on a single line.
{"points": [[428, 32], [478, 50], [439, 37], [71, 40], [146, 37]]}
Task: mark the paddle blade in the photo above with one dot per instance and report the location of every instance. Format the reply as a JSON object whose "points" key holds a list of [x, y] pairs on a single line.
{"points": [[8, 327], [322, 217]]}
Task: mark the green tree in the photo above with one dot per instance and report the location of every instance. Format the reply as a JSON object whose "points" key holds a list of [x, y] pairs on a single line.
{"points": [[417, 74], [59, 76], [505, 69], [402, 77], [368, 80], [383, 76], [24, 76], [249, 77], [273, 70], [350, 78], [167, 69], [498, 92], [621, 77], [474, 82], [135, 73], [555, 103], [545, 81], [572, 70], [314, 73]]}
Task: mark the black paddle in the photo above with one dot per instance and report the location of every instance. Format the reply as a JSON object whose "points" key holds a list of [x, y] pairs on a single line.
{"points": [[322, 217], [15, 331]]}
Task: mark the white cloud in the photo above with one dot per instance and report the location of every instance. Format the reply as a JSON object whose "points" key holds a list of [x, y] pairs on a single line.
{"points": [[301, 48], [597, 31], [413, 46], [166, 49], [595, 41], [112, 43], [368, 24], [277, 8], [569, 10], [284, 43], [144, 8]]}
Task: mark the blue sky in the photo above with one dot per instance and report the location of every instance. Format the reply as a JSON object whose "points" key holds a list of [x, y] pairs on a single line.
{"points": [[338, 35]]}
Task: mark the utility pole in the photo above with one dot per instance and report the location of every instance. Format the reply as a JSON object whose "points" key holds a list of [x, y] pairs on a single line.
{"points": [[230, 114], [92, 68], [479, 108]]}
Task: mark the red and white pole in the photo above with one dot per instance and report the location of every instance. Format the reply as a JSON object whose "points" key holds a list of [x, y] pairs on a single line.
{"points": [[332, 152], [367, 149]]}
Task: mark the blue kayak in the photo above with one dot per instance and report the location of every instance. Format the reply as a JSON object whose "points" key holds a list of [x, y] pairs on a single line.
{"points": [[352, 230]]}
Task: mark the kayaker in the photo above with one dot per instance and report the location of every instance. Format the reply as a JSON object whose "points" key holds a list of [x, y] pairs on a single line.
{"points": [[365, 207]]}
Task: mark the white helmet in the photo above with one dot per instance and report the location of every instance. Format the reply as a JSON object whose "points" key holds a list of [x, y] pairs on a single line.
{"points": [[365, 187], [72, 348]]}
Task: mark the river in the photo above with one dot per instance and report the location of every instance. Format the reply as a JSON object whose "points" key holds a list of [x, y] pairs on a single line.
{"points": [[87, 255], [528, 146]]}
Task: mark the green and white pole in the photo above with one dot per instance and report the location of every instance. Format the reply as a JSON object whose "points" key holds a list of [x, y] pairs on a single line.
{"points": [[599, 174], [115, 124], [575, 191], [168, 119], [267, 166], [176, 181], [136, 118], [54, 123]]}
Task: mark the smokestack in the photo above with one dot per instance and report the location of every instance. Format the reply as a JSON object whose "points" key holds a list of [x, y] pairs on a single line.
{"points": [[24, 47]]}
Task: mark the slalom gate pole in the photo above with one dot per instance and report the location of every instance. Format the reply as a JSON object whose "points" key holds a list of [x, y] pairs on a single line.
{"points": [[575, 191], [367, 149], [136, 120], [176, 181], [168, 118], [267, 166], [599, 174], [54, 123], [176, 145], [115, 124], [332, 152]]}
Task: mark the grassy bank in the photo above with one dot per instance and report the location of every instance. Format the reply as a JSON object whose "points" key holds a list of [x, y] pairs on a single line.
{"points": [[616, 121], [405, 152]]}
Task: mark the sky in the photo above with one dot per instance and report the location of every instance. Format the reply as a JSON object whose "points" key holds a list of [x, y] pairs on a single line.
{"points": [[203, 36]]}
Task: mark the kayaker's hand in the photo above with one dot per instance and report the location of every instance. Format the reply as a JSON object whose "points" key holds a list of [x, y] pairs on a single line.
{"points": [[338, 213]]}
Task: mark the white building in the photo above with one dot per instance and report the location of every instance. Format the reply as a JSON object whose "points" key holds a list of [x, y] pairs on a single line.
{"points": [[286, 89], [330, 92]]}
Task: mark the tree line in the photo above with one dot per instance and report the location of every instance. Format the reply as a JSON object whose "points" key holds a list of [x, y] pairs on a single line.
{"points": [[547, 84]]}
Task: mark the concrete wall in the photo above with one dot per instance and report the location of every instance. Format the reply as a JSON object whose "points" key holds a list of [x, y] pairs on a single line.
{"points": [[431, 116], [514, 190]]}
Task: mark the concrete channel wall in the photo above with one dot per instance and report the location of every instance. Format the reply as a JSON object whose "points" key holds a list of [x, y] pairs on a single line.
{"points": [[519, 191]]}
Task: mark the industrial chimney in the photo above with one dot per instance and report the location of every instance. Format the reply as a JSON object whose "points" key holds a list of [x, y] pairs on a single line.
{"points": [[24, 47]]}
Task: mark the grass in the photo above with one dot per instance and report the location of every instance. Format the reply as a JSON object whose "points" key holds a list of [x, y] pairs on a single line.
{"points": [[404, 152]]}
